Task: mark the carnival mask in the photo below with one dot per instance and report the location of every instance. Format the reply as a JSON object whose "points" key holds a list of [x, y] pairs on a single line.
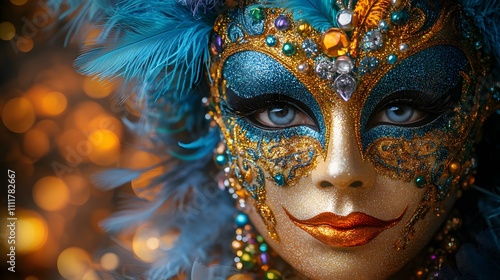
{"points": [[349, 126]]}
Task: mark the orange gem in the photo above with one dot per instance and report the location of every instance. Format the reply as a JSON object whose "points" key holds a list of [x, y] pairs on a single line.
{"points": [[334, 42]]}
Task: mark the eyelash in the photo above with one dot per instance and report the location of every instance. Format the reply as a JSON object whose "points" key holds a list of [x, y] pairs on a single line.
{"points": [[247, 107], [432, 104]]}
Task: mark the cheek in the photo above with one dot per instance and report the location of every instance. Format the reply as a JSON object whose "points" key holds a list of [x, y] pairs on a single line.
{"points": [[388, 198]]}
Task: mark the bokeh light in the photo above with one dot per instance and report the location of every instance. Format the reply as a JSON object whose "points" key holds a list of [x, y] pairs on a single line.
{"points": [[109, 261], [7, 31], [143, 187], [96, 88], [54, 103], [78, 189], [105, 147], [24, 44], [145, 244], [73, 263], [32, 231], [18, 115], [50, 193], [36, 143], [18, 2]]}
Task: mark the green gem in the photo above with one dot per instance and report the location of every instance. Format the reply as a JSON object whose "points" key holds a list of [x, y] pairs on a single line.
{"points": [[420, 181], [247, 260], [279, 180], [260, 239], [257, 13], [289, 49]]}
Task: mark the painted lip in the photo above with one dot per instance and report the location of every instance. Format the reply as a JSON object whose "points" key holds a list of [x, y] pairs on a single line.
{"points": [[355, 229]]}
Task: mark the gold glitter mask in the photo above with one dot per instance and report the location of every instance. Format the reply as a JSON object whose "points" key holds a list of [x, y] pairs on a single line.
{"points": [[302, 66]]}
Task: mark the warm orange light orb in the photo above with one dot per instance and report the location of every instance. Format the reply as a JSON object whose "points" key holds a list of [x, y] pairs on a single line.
{"points": [[51, 193], [18, 115]]}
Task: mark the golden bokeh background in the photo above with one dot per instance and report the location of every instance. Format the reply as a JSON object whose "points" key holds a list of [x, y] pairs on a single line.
{"points": [[57, 130]]}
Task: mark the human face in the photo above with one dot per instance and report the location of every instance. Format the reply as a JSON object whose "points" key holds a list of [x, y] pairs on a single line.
{"points": [[341, 185]]}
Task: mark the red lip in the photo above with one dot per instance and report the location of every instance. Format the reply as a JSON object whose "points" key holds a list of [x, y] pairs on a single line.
{"points": [[355, 229]]}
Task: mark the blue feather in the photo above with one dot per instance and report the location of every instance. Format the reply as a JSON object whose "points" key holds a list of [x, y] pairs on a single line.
{"points": [[320, 14], [113, 178], [486, 16], [155, 45]]}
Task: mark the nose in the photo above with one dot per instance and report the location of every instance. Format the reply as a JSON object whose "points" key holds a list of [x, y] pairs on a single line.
{"points": [[343, 166]]}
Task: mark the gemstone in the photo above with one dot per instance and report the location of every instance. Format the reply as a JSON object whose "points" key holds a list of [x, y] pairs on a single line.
{"points": [[220, 159], [282, 23], [383, 26], [234, 32], [216, 45], [403, 47], [304, 29], [392, 59], [303, 67], [420, 181], [289, 49], [398, 17], [396, 3], [272, 274], [343, 64], [373, 40], [334, 42], [309, 47], [241, 220], [279, 179], [271, 41], [263, 247], [368, 65], [345, 85], [257, 13], [345, 20], [325, 69]]}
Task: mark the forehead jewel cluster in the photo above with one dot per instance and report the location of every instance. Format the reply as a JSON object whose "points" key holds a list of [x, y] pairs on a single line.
{"points": [[338, 41]]}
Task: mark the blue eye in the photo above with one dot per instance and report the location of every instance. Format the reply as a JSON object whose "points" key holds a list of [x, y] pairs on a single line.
{"points": [[281, 116], [400, 113]]}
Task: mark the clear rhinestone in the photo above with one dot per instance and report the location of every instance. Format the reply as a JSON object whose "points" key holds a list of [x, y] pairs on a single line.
{"points": [[309, 47], [373, 40], [325, 69], [345, 85], [344, 64], [345, 19]]}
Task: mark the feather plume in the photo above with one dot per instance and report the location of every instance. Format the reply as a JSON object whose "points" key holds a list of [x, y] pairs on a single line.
{"points": [[155, 43], [370, 12], [320, 14], [486, 16]]}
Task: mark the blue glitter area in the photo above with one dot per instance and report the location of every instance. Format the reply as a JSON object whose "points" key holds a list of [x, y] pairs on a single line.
{"points": [[252, 27], [251, 74], [435, 70], [234, 32]]}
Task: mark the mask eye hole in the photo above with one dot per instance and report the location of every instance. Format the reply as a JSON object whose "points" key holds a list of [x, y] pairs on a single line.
{"points": [[410, 109], [280, 116]]}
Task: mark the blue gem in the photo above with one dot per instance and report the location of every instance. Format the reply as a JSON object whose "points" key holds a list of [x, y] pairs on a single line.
{"points": [[241, 220], [220, 159], [263, 247], [289, 49], [373, 40], [309, 47], [392, 59], [271, 41], [279, 179], [398, 17], [383, 26], [368, 65]]}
